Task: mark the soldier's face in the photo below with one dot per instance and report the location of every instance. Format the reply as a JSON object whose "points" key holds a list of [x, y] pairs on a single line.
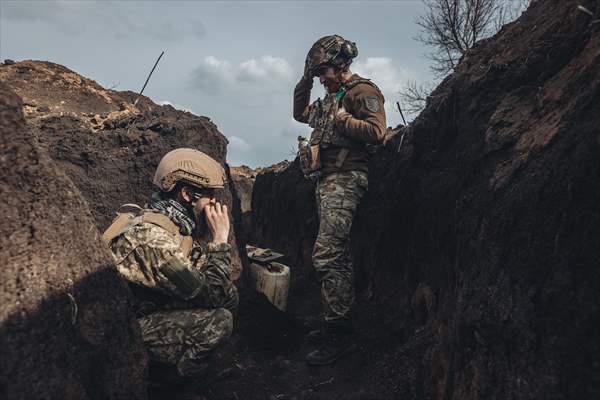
{"points": [[329, 79], [203, 199]]}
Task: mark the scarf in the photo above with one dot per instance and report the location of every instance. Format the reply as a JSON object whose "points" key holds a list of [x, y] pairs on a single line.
{"points": [[177, 213]]}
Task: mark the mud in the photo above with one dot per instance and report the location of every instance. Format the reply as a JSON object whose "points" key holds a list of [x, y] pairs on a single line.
{"points": [[66, 327]]}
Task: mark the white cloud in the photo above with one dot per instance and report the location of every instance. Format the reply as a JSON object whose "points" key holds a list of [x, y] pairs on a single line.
{"points": [[267, 67], [239, 144], [214, 62], [388, 77], [260, 76], [383, 72], [176, 106]]}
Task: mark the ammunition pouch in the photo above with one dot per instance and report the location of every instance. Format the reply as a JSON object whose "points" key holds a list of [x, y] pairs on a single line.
{"points": [[309, 157], [322, 119]]}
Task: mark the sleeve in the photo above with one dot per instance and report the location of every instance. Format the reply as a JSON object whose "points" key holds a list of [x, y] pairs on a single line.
{"points": [[365, 121], [302, 100], [219, 289], [207, 285]]}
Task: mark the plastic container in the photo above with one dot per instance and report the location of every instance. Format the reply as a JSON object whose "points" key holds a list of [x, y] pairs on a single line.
{"points": [[273, 280]]}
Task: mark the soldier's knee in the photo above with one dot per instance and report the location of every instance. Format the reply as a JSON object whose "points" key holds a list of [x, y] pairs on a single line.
{"points": [[225, 318], [233, 300]]}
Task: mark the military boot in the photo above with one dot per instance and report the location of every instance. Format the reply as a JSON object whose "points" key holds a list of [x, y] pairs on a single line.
{"points": [[317, 336], [334, 342]]}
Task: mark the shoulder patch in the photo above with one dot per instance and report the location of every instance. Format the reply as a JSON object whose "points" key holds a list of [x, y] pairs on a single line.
{"points": [[372, 103]]}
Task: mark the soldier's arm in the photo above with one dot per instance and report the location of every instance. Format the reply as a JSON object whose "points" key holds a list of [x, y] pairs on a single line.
{"points": [[302, 100], [219, 290], [209, 285], [367, 121]]}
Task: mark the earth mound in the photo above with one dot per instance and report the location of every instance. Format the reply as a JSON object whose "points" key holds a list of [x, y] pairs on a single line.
{"points": [[243, 178], [243, 181], [476, 250], [66, 326], [109, 142]]}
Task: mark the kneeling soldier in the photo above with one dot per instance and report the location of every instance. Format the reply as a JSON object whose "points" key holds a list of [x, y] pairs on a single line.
{"points": [[184, 299]]}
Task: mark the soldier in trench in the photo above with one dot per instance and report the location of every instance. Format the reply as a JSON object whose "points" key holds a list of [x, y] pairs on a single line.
{"points": [[184, 297], [350, 117]]}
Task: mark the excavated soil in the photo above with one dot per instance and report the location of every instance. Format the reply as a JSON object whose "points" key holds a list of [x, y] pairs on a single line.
{"points": [[107, 145], [66, 326], [477, 248], [243, 180]]}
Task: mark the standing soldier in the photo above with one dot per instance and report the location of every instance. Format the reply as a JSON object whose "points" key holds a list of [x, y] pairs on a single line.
{"points": [[349, 117], [184, 299]]}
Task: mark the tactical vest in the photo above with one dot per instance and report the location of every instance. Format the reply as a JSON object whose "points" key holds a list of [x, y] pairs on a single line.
{"points": [[127, 220], [324, 135], [322, 119]]}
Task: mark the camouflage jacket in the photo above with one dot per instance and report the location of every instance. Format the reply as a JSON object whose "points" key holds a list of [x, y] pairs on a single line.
{"points": [[149, 256], [364, 122]]}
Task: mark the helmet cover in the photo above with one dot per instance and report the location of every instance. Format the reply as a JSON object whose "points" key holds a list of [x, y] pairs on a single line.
{"points": [[332, 49], [190, 166]]}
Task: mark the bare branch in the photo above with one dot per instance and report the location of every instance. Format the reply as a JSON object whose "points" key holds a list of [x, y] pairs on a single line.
{"points": [[452, 27], [414, 96]]}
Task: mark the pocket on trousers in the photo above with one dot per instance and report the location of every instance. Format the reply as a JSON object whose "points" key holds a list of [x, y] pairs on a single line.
{"points": [[355, 191], [345, 191]]}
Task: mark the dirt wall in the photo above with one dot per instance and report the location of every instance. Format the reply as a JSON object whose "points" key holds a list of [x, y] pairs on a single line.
{"points": [[66, 326]]}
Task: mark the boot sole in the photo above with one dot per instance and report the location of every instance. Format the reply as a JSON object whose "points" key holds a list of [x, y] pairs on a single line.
{"points": [[350, 349]]}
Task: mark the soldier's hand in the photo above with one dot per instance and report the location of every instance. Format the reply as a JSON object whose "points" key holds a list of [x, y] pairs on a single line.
{"points": [[341, 117], [307, 76], [217, 220]]}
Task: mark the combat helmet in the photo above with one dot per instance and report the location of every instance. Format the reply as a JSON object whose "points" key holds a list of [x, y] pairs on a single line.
{"points": [[190, 166], [332, 49]]}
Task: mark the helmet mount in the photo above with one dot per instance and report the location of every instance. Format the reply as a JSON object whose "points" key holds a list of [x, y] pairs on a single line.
{"points": [[331, 50]]}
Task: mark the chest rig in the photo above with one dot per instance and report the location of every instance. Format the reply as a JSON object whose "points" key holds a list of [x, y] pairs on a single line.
{"points": [[136, 215], [321, 118]]}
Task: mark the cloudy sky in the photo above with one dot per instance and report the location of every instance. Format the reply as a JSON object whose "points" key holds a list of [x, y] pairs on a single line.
{"points": [[236, 62]]}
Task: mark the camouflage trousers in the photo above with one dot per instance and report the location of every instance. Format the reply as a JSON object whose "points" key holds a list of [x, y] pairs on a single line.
{"points": [[183, 338], [338, 196]]}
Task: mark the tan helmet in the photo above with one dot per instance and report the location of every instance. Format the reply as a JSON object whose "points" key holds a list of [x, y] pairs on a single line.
{"points": [[191, 166], [332, 49]]}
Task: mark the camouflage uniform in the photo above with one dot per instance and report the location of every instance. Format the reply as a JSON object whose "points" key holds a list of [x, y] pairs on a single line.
{"points": [[336, 156], [191, 298], [338, 196], [342, 185]]}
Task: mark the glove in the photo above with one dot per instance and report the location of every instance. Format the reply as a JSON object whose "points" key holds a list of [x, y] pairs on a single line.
{"points": [[307, 76]]}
